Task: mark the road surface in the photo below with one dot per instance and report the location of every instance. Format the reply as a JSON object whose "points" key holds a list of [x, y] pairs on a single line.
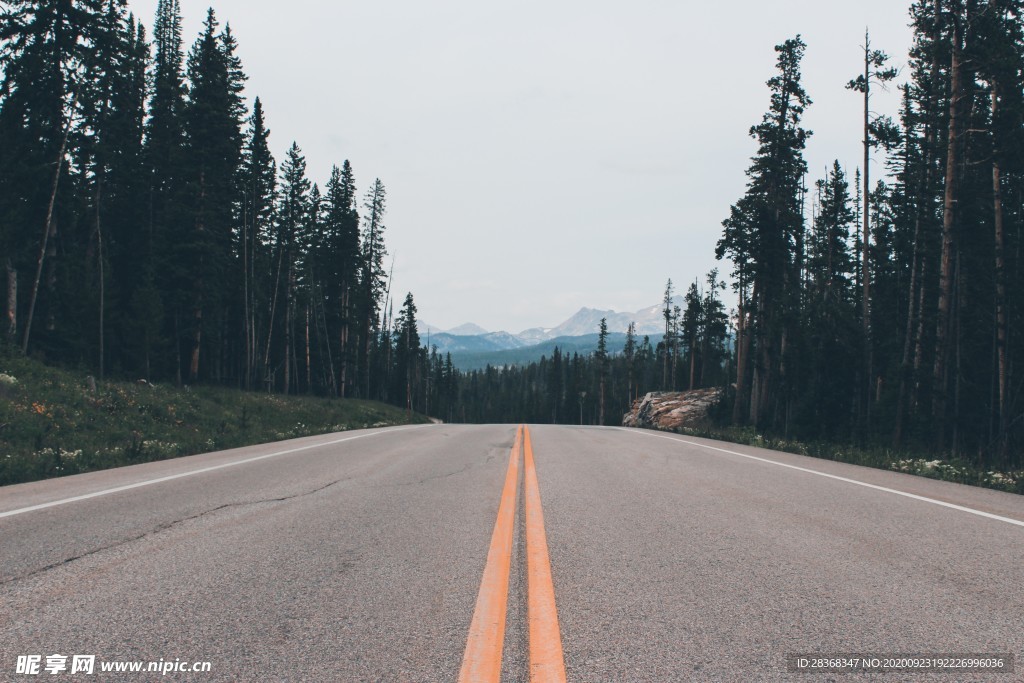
{"points": [[365, 556]]}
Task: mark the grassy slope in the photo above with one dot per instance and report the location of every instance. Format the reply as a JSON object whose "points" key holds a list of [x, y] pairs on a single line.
{"points": [[52, 425]]}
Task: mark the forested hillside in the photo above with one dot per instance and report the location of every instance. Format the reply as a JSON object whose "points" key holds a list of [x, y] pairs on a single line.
{"points": [[890, 315], [879, 311], [147, 231]]}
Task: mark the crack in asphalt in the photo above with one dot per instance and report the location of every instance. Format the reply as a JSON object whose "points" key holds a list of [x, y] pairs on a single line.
{"points": [[164, 527], [446, 475]]}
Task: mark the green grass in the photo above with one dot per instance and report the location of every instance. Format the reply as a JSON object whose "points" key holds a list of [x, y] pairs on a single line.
{"points": [[52, 424], [960, 471]]}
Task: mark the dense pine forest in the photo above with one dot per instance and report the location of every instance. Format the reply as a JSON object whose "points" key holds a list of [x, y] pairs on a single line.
{"points": [[891, 315], [147, 231], [882, 312]]}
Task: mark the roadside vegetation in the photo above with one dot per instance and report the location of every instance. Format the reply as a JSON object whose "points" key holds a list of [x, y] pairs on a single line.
{"points": [[957, 470], [53, 423]]}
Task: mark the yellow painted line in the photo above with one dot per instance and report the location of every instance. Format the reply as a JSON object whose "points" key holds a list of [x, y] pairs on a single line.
{"points": [[481, 662], [547, 661]]}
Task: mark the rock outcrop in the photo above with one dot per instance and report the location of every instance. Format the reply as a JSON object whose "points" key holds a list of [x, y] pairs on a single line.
{"points": [[671, 410]]}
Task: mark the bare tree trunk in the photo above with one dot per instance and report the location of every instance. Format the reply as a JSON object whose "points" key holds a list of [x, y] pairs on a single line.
{"points": [[914, 333], [664, 369], [48, 227], [273, 310], [99, 244], [309, 364], [323, 344], [253, 322], [742, 353], [408, 373], [288, 316], [247, 382], [673, 373], [197, 312], [866, 240], [762, 359], [905, 399], [901, 405], [177, 348], [12, 300], [1001, 317], [197, 339], [952, 195], [693, 362], [343, 380], [957, 339], [915, 395]]}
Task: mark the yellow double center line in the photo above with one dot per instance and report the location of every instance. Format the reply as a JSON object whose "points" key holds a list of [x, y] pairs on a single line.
{"points": [[482, 660]]}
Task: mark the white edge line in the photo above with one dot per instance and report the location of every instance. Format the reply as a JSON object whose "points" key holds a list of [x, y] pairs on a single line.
{"points": [[126, 487], [961, 508]]}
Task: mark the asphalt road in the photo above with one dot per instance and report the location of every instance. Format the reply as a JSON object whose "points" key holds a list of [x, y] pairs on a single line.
{"points": [[358, 557]]}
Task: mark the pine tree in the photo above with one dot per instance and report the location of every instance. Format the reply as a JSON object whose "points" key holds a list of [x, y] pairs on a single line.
{"points": [[831, 317], [629, 354], [714, 330], [408, 367], [878, 130], [213, 126], [692, 323], [761, 234], [292, 219], [343, 262], [829, 262], [165, 160], [601, 357], [109, 151], [956, 15], [258, 181], [924, 117], [46, 50], [668, 343], [372, 276], [1000, 55]]}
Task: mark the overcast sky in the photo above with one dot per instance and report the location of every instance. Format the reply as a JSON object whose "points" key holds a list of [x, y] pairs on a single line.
{"points": [[540, 156]]}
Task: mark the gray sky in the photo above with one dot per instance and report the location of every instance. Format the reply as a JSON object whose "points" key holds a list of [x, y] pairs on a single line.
{"points": [[540, 156]]}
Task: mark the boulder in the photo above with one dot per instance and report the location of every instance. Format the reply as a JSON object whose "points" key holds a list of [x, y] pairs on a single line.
{"points": [[671, 410]]}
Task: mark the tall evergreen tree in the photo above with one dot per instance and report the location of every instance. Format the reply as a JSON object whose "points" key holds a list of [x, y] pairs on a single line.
{"points": [[714, 330], [165, 158], [629, 352], [343, 262], [213, 124], [668, 342], [108, 147], [408, 354], [373, 278], [601, 357], [691, 326], [258, 180], [830, 315], [46, 50], [878, 130], [292, 219], [761, 235], [1000, 54]]}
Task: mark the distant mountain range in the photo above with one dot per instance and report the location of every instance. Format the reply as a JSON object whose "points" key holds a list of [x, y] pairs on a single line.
{"points": [[474, 347]]}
